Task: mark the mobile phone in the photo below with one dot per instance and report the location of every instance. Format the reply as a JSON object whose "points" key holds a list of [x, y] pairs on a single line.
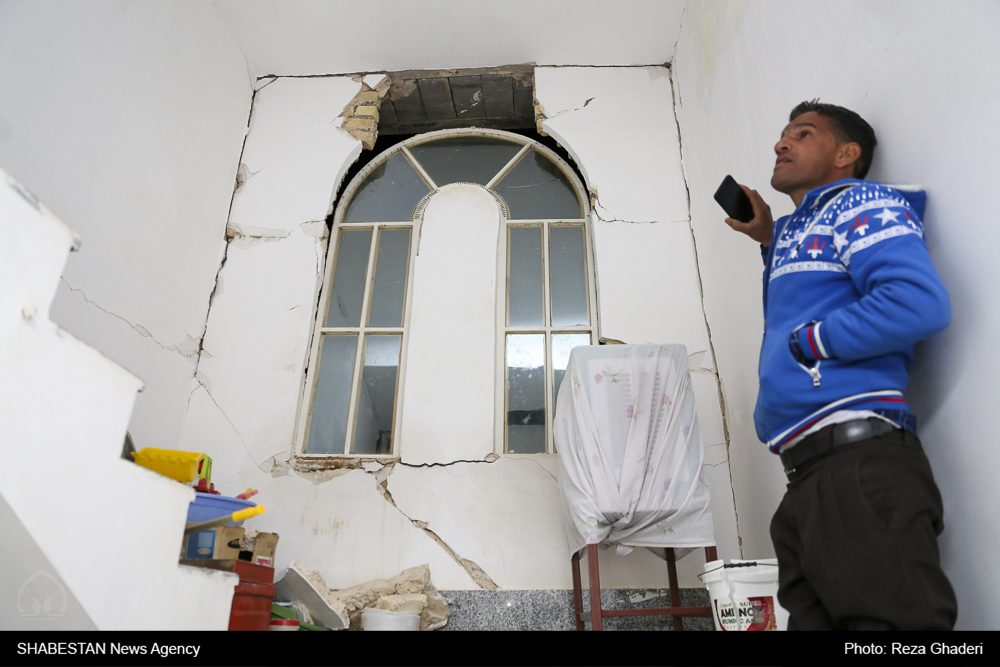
{"points": [[733, 200]]}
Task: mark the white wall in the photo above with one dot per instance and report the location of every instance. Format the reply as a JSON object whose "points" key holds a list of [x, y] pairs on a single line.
{"points": [[63, 412], [923, 74], [128, 119], [479, 523]]}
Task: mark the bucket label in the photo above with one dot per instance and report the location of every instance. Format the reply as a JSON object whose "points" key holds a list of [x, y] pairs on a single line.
{"points": [[725, 612], [756, 613]]}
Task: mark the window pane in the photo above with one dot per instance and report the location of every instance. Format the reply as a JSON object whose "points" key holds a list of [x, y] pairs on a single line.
{"points": [[348, 290], [389, 194], [389, 288], [377, 398], [332, 400], [537, 188], [526, 393], [567, 276], [524, 283], [466, 159], [562, 345]]}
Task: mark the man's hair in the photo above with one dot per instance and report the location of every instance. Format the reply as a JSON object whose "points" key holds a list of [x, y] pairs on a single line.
{"points": [[848, 127]]}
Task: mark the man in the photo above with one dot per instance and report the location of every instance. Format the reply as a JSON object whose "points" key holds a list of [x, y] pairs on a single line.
{"points": [[848, 289]]}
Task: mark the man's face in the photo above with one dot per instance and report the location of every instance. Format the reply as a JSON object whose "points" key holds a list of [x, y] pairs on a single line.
{"points": [[806, 155]]}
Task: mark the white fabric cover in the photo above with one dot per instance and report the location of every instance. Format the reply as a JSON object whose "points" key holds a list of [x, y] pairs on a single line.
{"points": [[630, 452]]}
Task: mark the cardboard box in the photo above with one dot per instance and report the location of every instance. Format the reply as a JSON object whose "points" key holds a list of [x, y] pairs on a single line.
{"points": [[264, 547], [220, 543], [231, 543]]}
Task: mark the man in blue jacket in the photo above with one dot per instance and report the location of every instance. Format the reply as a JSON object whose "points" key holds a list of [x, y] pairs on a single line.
{"points": [[848, 289]]}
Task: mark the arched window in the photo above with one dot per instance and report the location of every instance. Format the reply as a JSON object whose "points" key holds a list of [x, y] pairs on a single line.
{"points": [[460, 274]]}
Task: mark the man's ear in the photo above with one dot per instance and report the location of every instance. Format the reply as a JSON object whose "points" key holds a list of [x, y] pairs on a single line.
{"points": [[847, 155]]}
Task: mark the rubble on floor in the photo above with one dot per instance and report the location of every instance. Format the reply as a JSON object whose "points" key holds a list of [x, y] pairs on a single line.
{"points": [[411, 590]]}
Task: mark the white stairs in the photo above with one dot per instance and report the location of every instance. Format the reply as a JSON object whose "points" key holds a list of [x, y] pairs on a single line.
{"points": [[87, 540]]}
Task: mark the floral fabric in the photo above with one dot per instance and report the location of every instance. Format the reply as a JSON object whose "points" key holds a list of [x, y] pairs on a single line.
{"points": [[630, 453]]}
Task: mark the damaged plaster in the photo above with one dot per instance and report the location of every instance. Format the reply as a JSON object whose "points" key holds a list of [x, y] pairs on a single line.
{"points": [[480, 526], [272, 265], [476, 573], [361, 113]]}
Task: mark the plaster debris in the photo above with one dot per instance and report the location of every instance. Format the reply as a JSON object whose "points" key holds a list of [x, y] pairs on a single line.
{"points": [[361, 114], [304, 585], [414, 581], [405, 602]]}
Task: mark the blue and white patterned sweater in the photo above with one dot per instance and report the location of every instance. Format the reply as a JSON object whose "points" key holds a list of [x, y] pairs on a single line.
{"points": [[849, 274]]}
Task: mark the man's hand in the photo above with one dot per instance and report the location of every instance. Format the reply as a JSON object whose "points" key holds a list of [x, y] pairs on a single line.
{"points": [[759, 229]]}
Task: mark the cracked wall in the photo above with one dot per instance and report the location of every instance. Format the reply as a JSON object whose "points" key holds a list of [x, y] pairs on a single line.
{"points": [[134, 144], [619, 126], [480, 520], [257, 337], [921, 74]]}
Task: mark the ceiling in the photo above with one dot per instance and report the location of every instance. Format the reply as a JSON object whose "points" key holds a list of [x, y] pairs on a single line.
{"points": [[303, 37]]}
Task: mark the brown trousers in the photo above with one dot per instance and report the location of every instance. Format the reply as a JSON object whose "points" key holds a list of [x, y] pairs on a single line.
{"points": [[856, 540]]}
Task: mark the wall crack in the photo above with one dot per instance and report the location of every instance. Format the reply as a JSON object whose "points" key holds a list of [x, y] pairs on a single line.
{"points": [[187, 349], [596, 208], [490, 458], [208, 392], [704, 312], [477, 573]]}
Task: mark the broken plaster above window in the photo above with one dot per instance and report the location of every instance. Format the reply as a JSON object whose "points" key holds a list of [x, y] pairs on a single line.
{"points": [[361, 115]]}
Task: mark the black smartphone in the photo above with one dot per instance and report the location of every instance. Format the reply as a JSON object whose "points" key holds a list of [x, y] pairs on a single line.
{"points": [[733, 200]]}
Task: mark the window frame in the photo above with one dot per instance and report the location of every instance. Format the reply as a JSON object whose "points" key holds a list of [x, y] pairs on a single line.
{"points": [[306, 397]]}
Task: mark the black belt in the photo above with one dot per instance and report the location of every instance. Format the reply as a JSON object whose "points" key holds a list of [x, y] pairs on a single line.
{"points": [[824, 441]]}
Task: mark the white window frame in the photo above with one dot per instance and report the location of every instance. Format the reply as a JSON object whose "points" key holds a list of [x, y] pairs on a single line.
{"points": [[415, 224]]}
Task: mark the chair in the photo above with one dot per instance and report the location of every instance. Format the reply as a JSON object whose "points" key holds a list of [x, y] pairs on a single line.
{"points": [[630, 457]]}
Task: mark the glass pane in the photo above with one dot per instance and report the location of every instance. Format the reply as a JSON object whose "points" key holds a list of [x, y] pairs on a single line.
{"points": [[562, 345], [466, 159], [526, 393], [568, 276], [348, 290], [377, 398], [389, 288], [389, 194], [524, 282], [332, 400], [537, 188]]}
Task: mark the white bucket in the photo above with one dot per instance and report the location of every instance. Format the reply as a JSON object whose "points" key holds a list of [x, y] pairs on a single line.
{"points": [[745, 595], [383, 619]]}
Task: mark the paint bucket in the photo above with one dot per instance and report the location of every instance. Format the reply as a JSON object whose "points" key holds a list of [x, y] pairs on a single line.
{"points": [[383, 619], [744, 595]]}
